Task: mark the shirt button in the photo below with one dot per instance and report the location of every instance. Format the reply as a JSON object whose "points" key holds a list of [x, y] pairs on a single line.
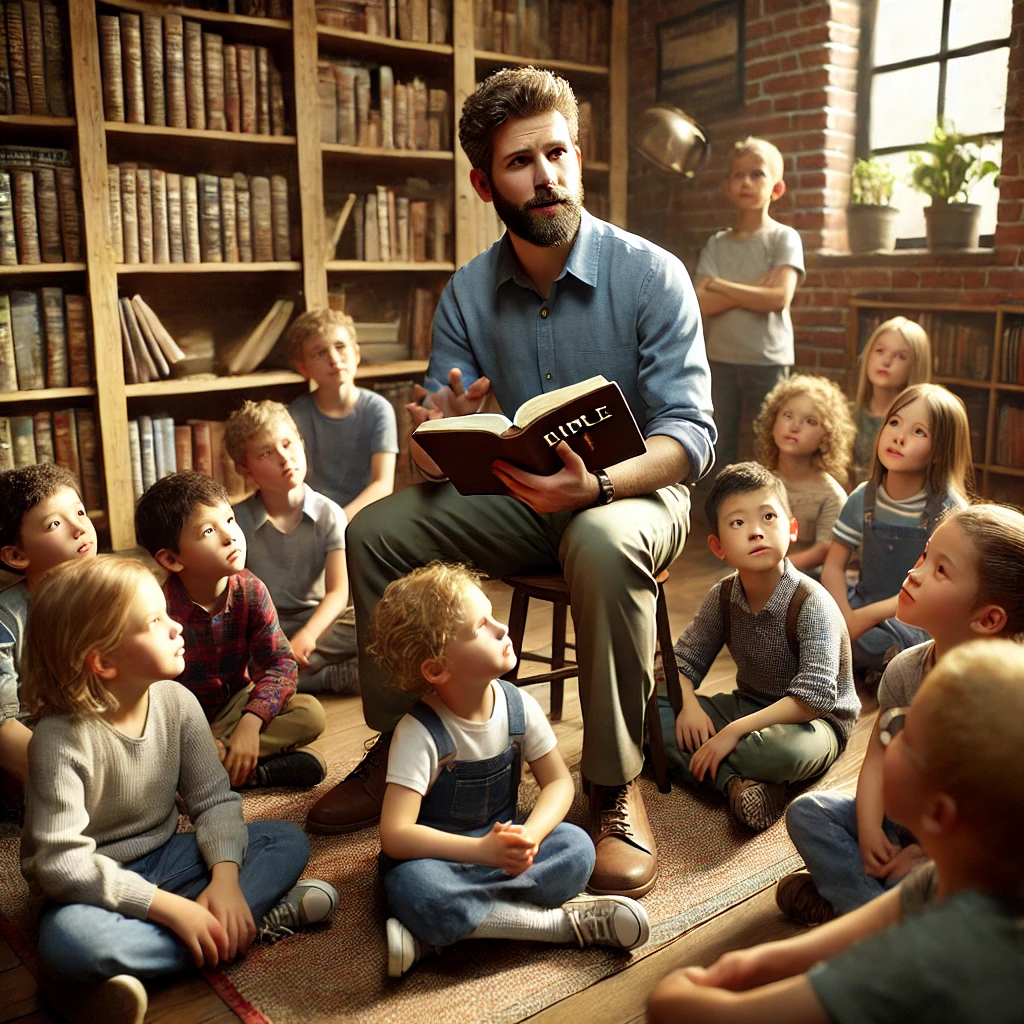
{"points": [[547, 376], [544, 313]]}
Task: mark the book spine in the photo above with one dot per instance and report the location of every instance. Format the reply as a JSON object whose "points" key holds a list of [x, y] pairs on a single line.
{"points": [[17, 60], [327, 96], [201, 447], [77, 325], [48, 213], [8, 365], [153, 68], [174, 59], [371, 233], [167, 442], [383, 228], [247, 88], [144, 198], [228, 220], [8, 236], [194, 93], [23, 443], [6, 449], [183, 448], [213, 52], [70, 217], [402, 216], [6, 97], [148, 452], [56, 61], [113, 75], [114, 194], [135, 458], [131, 56], [279, 215], [65, 442], [386, 89], [232, 109], [161, 237], [88, 451], [57, 375], [175, 222], [159, 452], [243, 219], [131, 367], [190, 218], [262, 223], [278, 114], [345, 79], [392, 225], [263, 90], [210, 248], [129, 213], [362, 96], [26, 223], [35, 55], [42, 431]]}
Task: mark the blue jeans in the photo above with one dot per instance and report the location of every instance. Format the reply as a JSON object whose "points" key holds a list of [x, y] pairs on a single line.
{"points": [[737, 392], [442, 901], [823, 827], [84, 944]]}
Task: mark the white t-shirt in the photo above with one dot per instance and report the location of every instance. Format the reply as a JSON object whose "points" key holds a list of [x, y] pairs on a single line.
{"points": [[412, 761]]}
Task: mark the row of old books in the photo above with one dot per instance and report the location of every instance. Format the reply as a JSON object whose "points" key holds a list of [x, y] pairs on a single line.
{"points": [[64, 436], [399, 394], [34, 70], [1011, 368], [1010, 435], [576, 30], [960, 348], [408, 115], [167, 71], [158, 446], [40, 221], [250, 8], [149, 350], [396, 228], [160, 217], [44, 340], [415, 21], [593, 121]]}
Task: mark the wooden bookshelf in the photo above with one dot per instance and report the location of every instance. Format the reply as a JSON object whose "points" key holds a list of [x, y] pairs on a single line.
{"points": [[391, 266], [274, 266], [195, 134], [265, 29], [31, 269], [568, 68], [44, 395]]}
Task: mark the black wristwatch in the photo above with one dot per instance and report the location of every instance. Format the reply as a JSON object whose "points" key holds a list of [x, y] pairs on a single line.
{"points": [[606, 489]]}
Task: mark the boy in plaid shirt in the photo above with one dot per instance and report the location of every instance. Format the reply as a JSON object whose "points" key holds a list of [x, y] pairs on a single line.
{"points": [[237, 659]]}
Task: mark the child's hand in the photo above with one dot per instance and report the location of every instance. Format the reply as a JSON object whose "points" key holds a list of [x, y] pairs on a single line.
{"points": [[507, 847], [904, 862], [193, 924], [303, 644], [222, 751], [876, 851], [693, 726], [243, 749], [223, 898], [713, 752], [739, 970]]}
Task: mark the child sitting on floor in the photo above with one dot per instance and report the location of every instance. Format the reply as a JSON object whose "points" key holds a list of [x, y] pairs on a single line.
{"points": [[456, 860], [947, 946], [128, 896], [968, 584], [795, 704], [295, 544], [805, 434], [185, 521]]}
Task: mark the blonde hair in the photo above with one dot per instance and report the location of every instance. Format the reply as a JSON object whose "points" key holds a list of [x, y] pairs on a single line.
{"points": [[916, 338], [764, 150], [314, 324], [80, 606], [950, 467], [835, 452], [417, 618], [252, 419]]}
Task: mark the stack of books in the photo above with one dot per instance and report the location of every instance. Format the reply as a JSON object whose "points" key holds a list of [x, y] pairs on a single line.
{"points": [[575, 30], [1011, 369], [34, 70], [392, 226], [416, 21]]}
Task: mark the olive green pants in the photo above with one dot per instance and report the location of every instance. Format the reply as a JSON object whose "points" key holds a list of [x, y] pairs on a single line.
{"points": [[301, 720]]}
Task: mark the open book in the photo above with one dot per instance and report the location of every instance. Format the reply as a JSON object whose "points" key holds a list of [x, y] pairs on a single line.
{"points": [[592, 417]]}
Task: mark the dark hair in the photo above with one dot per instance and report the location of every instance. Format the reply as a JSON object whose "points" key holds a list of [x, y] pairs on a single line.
{"points": [[22, 489], [742, 478], [512, 92], [162, 512]]}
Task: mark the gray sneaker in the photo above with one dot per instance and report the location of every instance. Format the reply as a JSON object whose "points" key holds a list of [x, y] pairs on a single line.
{"points": [[307, 902], [404, 949], [616, 921]]}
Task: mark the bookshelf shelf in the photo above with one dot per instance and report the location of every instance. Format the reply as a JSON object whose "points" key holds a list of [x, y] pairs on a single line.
{"points": [[491, 59], [361, 44], [160, 131], [444, 156], [199, 385], [596, 167], [45, 395], [26, 269], [35, 121], [366, 266], [399, 368], [1004, 470], [128, 269], [1013, 388], [267, 28]]}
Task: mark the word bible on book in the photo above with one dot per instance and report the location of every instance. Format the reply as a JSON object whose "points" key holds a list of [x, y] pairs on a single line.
{"points": [[592, 417]]}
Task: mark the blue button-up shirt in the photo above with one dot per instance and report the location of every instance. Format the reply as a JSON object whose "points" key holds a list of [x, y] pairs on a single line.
{"points": [[622, 307]]}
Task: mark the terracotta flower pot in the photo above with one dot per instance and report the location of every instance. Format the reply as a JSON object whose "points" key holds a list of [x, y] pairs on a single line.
{"points": [[953, 225], [871, 228]]}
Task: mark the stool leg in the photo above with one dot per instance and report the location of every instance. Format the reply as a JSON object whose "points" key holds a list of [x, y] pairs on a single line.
{"points": [[668, 661], [517, 629], [657, 744], [558, 626]]}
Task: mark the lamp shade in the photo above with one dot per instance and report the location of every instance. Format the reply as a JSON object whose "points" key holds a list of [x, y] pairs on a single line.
{"points": [[670, 140]]}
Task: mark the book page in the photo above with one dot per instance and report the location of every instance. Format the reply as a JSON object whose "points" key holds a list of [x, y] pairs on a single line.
{"points": [[536, 407], [492, 422]]}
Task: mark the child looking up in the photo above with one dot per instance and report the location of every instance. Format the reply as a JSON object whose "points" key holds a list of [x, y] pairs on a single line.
{"points": [[746, 277], [968, 584], [457, 860], [805, 434], [795, 705], [896, 355], [295, 544], [185, 521], [128, 896], [946, 946], [922, 467], [351, 434]]}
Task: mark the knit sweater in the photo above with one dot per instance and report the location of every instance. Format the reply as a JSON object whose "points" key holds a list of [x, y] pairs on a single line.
{"points": [[98, 799]]}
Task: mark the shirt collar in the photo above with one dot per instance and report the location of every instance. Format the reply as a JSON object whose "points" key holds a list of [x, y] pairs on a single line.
{"points": [[180, 605], [260, 516], [583, 261], [778, 603]]}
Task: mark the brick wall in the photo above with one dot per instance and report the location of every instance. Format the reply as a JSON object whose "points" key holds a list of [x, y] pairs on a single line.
{"points": [[800, 62]]}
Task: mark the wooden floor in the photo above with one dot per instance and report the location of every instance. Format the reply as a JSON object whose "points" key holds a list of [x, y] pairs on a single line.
{"points": [[617, 999]]}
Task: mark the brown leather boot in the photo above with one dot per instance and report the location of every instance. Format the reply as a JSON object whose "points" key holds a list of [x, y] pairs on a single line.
{"points": [[355, 802], [627, 856]]}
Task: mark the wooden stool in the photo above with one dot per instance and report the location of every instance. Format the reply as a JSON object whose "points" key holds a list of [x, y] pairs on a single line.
{"points": [[553, 588]]}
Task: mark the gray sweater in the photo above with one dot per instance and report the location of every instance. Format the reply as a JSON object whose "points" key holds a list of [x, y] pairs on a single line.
{"points": [[97, 799]]}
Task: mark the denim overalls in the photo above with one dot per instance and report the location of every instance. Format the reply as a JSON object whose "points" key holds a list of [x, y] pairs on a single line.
{"points": [[443, 901], [888, 553]]}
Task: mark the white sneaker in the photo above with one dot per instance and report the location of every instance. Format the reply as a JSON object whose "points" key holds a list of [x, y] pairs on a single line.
{"points": [[615, 921], [118, 1000], [308, 902], [404, 949]]}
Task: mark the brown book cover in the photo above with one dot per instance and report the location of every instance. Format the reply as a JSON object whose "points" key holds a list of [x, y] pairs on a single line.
{"points": [[327, 100], [402, 227], [65, 442], [419, 112], [592, 417], [153, 68], [26, 221], [403, 11], [114, 194], [183, 448], [48, 213], [190, 218], [131, 367], [440, 18], [144, 361], [130, 213], [144, 209], [56, 61], [110, 59], [278, 115], [23, 441], [210, 249], [195, 96], [35, 55], [228, 220], [362, 94], [175, 227], [247, 87], [401, 116], [88, 453], [8, 363], [8, 236], [70, 216], [424, 302], [439, 130], [161, 234], [174, 61], [420, 21], [393, 245], [418, 230], [232, 107], [29, 344], [201, 455], [17, 59], [281, 220], [57, 369], [154, 328], [243, 218], [76, 319], [383, 226], [213, 51], [371, 232], [42, 430], [262, 222], [386, 93], [131, 58], [6, 97], [263, 90], [345, 79], [150, 343]]}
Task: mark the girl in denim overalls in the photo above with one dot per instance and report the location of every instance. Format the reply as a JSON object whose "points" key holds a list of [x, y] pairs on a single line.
{"points": [[922, 466], [456, 863]]}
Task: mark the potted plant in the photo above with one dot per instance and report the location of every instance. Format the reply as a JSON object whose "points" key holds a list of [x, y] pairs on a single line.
{"points": [[946, 169], [870, 220]]}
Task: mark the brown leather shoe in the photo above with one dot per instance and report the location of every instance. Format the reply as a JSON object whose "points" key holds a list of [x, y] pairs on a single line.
{"points": [[355, 802], [627, 856]]}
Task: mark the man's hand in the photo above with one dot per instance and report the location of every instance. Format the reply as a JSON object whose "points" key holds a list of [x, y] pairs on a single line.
{"points": [[572, 487], [876, 851], [507, 847], [450, 400], [693, 726], [223, 898], [303, 644], [713, 752], [243, 749]]}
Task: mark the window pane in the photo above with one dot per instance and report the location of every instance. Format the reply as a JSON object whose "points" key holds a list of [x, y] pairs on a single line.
{"points": [[976, 92], [976, 21], [903, 106], [987, 193], [908, 29], [910, 203]]}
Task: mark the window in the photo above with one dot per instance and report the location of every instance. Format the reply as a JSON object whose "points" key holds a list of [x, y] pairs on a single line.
{"points": [[925, 60]]}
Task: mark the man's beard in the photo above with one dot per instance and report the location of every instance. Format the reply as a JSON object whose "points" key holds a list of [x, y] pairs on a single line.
{"points": [[542, 231]]}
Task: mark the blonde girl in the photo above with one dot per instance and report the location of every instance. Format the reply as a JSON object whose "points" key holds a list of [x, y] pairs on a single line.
{"points": [[922, 467], [896, 355], [805, 434], [128, 897], [967, 585]]}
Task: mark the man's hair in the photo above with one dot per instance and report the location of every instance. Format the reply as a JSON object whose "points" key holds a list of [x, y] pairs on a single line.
{"points": [[512, 92], [973, 706], [162, 512], [314, 324], [417, 618], [742, 478], [767, 153], [251, 419], [79, 607], [21, 490]]}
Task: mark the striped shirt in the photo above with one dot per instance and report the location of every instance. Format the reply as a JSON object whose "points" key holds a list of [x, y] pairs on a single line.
{"points": [[849, 527]]}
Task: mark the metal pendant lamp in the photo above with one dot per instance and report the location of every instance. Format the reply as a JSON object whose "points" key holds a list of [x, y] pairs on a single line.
{"points": [[671, 140]]}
